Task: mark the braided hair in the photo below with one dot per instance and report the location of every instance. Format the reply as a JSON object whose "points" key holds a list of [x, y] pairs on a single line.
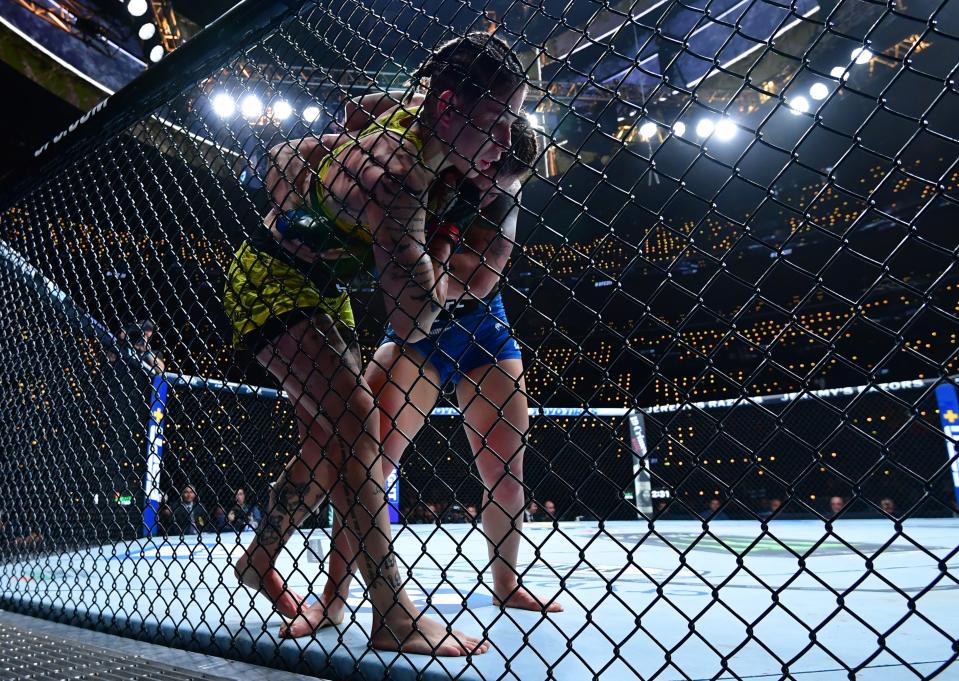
{"points": [[523, 151], [471, 66]]}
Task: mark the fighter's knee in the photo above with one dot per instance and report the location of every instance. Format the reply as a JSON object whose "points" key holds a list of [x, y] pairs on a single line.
{"points": [[360, 402], [509, 491]]}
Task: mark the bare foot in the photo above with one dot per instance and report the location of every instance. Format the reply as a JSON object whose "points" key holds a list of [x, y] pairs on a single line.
{"points": [[314, 618], [520, 598], [259, 575], [425, 636]]}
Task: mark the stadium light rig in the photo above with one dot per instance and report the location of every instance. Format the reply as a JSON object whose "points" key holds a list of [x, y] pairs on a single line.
{"points": [[818, 91], [861, 55], [705, 128], [137, 7], [798, 105], [223, 105], [251, 107], [839, 72], [726, 130], [282, 110]]}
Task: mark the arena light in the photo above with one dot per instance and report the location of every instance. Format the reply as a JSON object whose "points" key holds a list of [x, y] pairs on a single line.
{"points": [[534, 121], [679, 128], [818, 91], [705, 128], [861, 55], [839, 73], [157, 53], [147, 31], [647, 130], [251, 107], [311, 113], [137, 7], [223, 105], [282, 110], [726, 130], [798, 105]]}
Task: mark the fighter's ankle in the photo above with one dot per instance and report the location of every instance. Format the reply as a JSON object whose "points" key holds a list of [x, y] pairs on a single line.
{"points": [[506, 589]]}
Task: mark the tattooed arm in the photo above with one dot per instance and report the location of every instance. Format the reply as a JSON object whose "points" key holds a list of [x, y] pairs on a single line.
{"points": [[477, 267], [382, 183]]}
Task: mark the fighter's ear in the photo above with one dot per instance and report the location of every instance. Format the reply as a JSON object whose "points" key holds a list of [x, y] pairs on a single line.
{"points": [[444, 101]]}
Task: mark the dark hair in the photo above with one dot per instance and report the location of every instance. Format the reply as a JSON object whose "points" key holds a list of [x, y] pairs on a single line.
{"points": [[523, 150], [134, 334], [471, 66]]}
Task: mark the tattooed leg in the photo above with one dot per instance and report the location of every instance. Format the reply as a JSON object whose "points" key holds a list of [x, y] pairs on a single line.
{"points": [[290, 503]]}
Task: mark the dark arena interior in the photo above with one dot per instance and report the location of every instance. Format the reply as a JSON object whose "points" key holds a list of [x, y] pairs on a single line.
{"points": [[668, 393]]}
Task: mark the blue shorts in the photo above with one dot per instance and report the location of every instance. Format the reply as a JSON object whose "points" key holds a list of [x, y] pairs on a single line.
{"points": [[460, 344]]}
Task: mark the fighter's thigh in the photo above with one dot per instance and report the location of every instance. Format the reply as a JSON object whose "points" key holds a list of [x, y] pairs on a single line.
{"points": [[406, 386], [316, 366], [483, 394]]}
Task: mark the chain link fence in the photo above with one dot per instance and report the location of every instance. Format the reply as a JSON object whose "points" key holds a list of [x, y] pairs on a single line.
{"points": [[595, 279]]}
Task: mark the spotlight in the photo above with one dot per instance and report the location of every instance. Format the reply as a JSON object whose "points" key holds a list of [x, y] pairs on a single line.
{"points": [[647, 130], [798, 105], [705, 128], [818, 91], [223, 105], [137, 7], [679, 128], [147, 31], [534, 121], [861, 55], [157, 53], [311, 113], [839, 72], [251, 107], [282, 110], [726, 130]]}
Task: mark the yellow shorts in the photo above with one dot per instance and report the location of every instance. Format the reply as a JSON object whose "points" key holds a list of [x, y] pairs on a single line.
{"points": [[264, 296]]}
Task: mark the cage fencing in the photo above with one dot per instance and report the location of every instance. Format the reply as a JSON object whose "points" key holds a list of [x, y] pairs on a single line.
{"points": [[710, 255]]}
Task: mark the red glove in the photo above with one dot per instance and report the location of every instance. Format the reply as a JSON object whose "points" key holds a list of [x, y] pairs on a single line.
{"points": [[446, 230]]}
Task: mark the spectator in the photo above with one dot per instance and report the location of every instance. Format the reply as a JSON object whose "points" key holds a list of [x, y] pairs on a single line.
{"points": [[421, 514], [113, 345], [219, 518], [139, 336], [243, 516], [533, 514], [836, 504], [436, 512], [146, 329], [888, 506], [716, 511], [12, 536], [550, 509], [189, 516], [455, 514], [775, 504], [471, 513]]}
